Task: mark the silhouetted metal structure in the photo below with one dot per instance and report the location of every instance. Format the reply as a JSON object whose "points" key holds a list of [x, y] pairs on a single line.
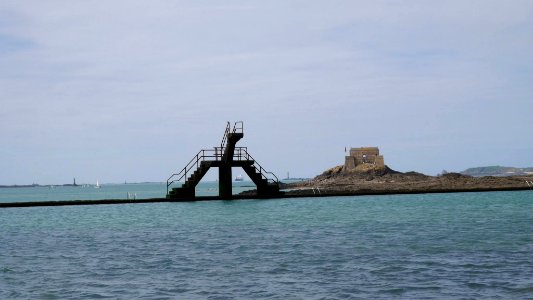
{"points": [[224, 158]]}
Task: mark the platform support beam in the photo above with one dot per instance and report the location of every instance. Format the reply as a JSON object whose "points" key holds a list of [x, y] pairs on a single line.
{"points": [[224, 182]]}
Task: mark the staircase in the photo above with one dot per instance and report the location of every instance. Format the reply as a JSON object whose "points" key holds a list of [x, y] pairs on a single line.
{"points": [[224, 157], [267, 182], [188, 187]]}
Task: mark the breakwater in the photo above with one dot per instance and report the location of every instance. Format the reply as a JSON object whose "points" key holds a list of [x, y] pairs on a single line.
{"points": [[302, 193]]}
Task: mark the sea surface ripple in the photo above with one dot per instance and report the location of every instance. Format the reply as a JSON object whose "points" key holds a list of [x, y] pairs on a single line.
{"points": [[466, 245]]}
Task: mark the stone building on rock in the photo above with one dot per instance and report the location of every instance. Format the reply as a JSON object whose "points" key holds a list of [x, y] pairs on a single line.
{"points": [[364, 158]]}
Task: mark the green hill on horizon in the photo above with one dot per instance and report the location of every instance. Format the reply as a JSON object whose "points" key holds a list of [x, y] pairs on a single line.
{"points": [[497, 171]]}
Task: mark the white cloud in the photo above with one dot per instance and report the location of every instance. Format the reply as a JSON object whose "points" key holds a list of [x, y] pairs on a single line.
{"points": [[322, 75]]}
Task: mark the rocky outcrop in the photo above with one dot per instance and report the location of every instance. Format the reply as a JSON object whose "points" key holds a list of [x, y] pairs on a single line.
{"points": [[387, 180]]}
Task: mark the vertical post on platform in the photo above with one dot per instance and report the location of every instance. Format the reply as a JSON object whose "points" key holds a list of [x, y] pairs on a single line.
{"points": [[224, 181]]}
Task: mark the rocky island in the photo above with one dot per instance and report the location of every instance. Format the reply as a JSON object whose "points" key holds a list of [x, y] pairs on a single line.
{"points": [[387, 181], [365, 172]]}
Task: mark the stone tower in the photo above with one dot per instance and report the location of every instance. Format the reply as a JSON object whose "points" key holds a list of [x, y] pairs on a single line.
{"points": [[363, 158]]}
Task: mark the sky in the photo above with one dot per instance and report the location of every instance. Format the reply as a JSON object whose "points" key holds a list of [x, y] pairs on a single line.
{"points": [[131, 90]]}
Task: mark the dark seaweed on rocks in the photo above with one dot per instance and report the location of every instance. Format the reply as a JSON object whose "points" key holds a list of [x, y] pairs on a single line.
{"points": [[455, 176]]}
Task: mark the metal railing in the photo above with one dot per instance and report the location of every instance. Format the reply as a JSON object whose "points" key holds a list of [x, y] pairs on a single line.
{"points": [[225, 137], [238, 127], [241, 153], [215, 153]]}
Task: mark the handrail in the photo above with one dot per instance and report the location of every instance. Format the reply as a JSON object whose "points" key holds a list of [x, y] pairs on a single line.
{"points": [[225, 137], [241, 152], [240, 127], [195, 161]]}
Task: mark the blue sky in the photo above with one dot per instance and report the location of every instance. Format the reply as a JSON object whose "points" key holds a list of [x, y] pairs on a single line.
{"points": [[131, 90]]}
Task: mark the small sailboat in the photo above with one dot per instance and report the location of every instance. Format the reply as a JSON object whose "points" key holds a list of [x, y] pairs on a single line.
{"points": [[97, 186], [239, 178]]}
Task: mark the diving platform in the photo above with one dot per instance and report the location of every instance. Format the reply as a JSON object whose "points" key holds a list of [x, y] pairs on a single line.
{"points": [[223, 157]]}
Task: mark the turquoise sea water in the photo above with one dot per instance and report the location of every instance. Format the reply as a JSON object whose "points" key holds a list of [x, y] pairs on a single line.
{"points": [[108, 191], [465, 245]]}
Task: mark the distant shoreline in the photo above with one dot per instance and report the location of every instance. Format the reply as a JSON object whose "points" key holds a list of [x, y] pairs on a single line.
{"points": [[16, 186]]}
